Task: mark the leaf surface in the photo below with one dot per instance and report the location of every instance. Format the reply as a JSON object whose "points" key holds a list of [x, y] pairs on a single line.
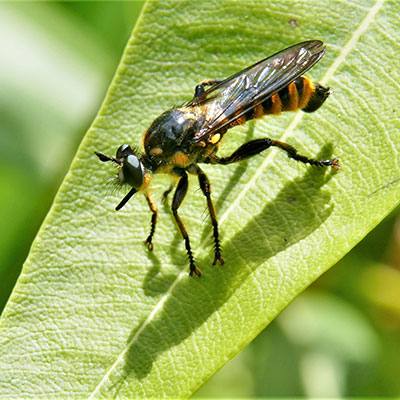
{"points": [[94, 314]]}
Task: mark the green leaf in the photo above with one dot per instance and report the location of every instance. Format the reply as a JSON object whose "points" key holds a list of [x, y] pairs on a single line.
{"points": [[94, 314]]}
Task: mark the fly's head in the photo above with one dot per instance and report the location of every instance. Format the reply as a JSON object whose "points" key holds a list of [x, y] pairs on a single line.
{"points": [[131, 170]]}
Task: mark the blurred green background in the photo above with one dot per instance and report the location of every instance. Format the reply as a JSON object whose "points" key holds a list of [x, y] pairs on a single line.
{"points": [[57, 62]]}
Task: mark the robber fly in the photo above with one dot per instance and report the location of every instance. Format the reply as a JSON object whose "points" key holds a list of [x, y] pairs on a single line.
{"points": [[182, 137]]}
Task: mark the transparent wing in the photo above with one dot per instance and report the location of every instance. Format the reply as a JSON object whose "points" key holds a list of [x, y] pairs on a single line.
{"points": [[234, 96]]}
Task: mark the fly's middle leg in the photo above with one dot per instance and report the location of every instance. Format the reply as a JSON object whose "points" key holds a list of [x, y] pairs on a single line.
{"points": [[153, 208], [179, 195], [206, 189]]}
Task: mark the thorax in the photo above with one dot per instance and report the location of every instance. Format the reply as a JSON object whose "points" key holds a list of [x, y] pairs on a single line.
{"points": [[169, 141]]}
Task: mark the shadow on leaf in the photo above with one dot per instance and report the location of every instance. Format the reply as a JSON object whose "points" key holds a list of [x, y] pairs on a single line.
{"points": [[299, 209]]}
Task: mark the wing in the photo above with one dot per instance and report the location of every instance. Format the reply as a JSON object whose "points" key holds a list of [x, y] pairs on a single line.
{"points": [[234, 96]]}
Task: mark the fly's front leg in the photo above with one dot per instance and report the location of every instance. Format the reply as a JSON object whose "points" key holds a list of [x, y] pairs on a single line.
{"points": [[258, 145], [179, 195], [153, 208], [206, 189], [199, 90]]}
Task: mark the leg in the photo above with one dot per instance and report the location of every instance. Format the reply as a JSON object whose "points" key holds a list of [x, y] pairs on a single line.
{"points": [[166, 193], [153, 208], [258, 145], [179, 195], [199, 90], [206, 189]]}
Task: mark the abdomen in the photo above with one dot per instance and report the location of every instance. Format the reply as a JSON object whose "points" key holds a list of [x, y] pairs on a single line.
{"points": [[301, 94]]}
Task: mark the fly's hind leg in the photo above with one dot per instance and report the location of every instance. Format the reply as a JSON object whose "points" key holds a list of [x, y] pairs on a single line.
{"points": [[258, 145], [206, 189], [153, 208], [292, 153], [179, 195], [199, 89]]}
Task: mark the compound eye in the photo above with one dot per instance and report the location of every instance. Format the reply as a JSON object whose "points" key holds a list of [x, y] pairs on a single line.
{"points": [[124, 151], [132, 171]]}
